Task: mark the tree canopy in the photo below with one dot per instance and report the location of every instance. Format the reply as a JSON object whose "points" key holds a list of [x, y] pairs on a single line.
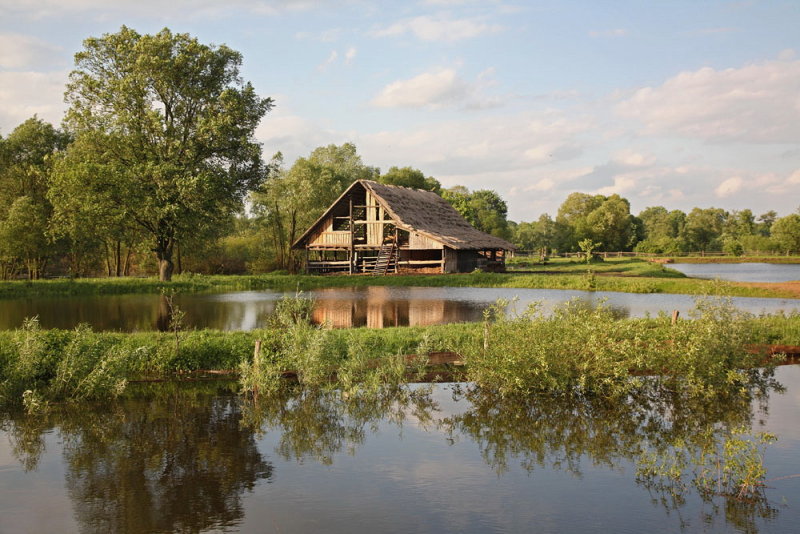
{"points": [[164, 130], [410, 177]]}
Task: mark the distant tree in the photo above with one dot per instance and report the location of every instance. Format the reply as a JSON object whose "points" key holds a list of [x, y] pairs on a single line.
{"points": [[410, 177], [539, 235], [765, 221], [167, 126], [483, 209], [704, 228], [786, 233], [602, 219], [661, 231]]}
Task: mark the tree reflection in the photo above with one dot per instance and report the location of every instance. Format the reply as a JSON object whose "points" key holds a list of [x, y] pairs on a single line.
{"points": [[180, 460], [317, 423], [176, 461], [687, 435]]}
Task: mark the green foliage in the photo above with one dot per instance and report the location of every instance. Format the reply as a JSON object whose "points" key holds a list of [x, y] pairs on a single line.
{"points": [[786, 233], [483, 209], [26, 163], [164, 130], [410, 177], [57, 365], [540, 235], [588, 247], [704, 228], [588, 350], [603, 219]]}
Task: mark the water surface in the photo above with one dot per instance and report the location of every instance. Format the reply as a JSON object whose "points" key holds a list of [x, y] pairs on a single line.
{"points": [[740, 272], [375, 307], [451, 459]]}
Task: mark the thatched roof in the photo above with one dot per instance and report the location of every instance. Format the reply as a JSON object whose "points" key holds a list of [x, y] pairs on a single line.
{"points": [[426, 213]]}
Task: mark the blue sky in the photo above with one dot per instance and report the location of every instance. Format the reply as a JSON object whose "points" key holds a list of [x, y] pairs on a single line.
{"points": [[679, 104]]}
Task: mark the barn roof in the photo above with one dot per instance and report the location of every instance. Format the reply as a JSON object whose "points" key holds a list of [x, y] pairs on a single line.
{"points": [[426, 213]]}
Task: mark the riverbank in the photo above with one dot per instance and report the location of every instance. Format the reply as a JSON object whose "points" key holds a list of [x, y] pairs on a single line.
{"points": [[621, 275], [576, 349]]}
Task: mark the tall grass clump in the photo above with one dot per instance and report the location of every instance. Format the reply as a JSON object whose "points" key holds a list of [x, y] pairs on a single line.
{"points": [[318, 356], [39, 366], [587, 350]]}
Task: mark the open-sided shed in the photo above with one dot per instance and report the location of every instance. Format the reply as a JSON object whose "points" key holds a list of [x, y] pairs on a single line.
{"points": [[379, 228]]}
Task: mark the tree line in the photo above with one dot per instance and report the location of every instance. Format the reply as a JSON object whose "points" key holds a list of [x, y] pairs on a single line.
{"points": [[155, 168], [607, 223]]}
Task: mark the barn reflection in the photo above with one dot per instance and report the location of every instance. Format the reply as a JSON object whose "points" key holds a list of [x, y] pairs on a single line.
{"points": [[379, 307]]}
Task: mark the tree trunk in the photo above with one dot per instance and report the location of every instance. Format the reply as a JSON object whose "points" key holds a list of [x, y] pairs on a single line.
{"points": [[165, 268], [127, 268], [118, 259], [108, 258], [164, 255]]}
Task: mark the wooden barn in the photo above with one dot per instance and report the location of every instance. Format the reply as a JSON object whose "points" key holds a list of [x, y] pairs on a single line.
{"points": [[378, 228]]}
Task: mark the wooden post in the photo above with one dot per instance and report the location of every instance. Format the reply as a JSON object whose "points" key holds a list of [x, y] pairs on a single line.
{"points": [[675, 314], [352, 256]]}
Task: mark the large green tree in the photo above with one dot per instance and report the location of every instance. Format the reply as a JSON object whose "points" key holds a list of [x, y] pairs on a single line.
{"points": [[165, 132]]}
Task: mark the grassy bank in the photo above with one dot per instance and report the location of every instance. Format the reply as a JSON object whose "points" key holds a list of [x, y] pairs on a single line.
{"points": [[575, 349], [624, 275]]}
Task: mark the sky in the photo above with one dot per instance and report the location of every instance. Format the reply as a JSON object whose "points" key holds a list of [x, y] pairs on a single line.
{"points": [[668, 103]]}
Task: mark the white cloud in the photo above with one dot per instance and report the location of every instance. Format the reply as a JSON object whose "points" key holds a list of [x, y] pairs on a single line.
{"points": [[438, 29], [430, 89], [294, 136], [545, 184], [622, 184], [350, 55], [729, 187], [19, 51], [757, 103], [332, 57], [23, 94], [632, 158]]}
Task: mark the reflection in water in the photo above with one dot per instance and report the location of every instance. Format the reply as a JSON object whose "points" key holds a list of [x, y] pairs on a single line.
{"points": [[184, 459], [178, 461], [318, 423], [373, 306], [379, 307]]}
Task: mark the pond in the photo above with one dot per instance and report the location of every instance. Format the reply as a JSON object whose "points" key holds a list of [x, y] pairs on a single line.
{"points": [[430, 458], [375, 307], [741, 272]]}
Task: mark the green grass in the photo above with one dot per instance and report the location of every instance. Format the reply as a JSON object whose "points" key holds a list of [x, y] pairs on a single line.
{"points": [[624, 275], [576, 349]]}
